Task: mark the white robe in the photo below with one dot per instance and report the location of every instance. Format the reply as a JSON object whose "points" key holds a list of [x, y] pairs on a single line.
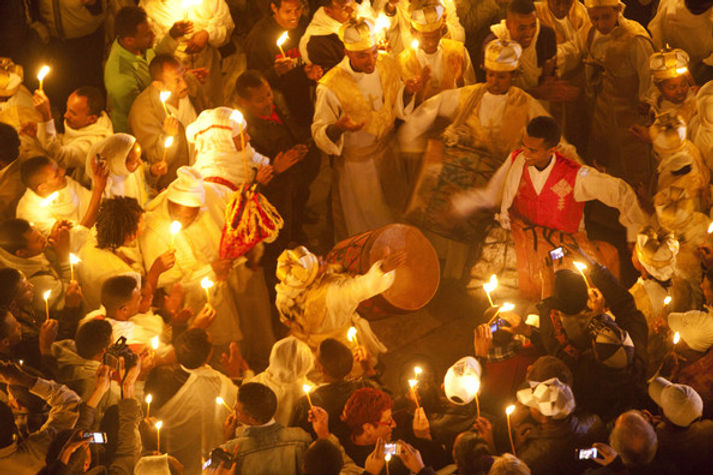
{"points": [[70, 149], [192, 421], [676, 26], [590, 184], [359, 182], [71, 204]]}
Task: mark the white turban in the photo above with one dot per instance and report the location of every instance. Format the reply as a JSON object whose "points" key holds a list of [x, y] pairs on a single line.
{"points": [[657, 252], [552, 398], [187, 189], [214, 130]]}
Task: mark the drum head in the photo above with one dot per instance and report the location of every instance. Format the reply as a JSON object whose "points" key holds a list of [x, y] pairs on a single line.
{"points": [[415, 282]]}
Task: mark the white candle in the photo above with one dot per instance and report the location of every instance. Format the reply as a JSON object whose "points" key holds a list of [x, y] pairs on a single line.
{"points": [[206, 283], [412, 385], [280, 41], [508, 411], [148, 399], [46, 296], [158, 426], [44, 70], [72, 260], [163, 96], [307, 388], [490, 286], [580, 267]]}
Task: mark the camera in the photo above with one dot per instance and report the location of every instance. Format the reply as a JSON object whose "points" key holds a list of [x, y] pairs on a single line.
{"points": [[218, 456], [117, 350], [95, 437], [586, 454], [556, 253], [392, 449]]}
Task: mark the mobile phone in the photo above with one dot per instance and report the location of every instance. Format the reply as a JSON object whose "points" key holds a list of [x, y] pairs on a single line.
{"points": [[556, 253], [95, 437], [586, 454], [497, 324], [218, 456], [392, 449]]}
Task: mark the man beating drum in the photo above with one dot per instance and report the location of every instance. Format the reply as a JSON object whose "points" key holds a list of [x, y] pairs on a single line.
{"points": [[317, 300]]}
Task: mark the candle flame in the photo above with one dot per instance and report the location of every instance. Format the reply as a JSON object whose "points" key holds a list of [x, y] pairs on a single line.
{"points": [[283, 37], [168, 142], [74, 259], [154, 342], [491, 284], [414, 44], [206, 283], [306, 388], [417, 370], [351, 334], [682, 70], [472, 382], [507, 307], [382, 22], [580, 267], [412, 382], [667, 300], [158, 425], [387, 457], [149, 398], [164, 95], [175, 227], [676, 338], [44, 70], [219, 400], [710, 228], [237, 116], [510, 409], [46, 295], [47, 201]]}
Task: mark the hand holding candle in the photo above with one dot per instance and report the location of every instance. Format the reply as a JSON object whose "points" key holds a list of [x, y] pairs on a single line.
{"points": [[44, 70]]}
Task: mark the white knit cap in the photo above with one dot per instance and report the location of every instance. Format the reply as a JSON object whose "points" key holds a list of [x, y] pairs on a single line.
{"points": [[187, 189], [502, 55], [115, 150], [462, 380], [681, 404], [552, 398], [695, 328], [358, 34], [214, 129], [656, 251]]}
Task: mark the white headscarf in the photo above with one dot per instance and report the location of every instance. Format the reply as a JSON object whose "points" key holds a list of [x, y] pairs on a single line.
{"points": [[214, 129], [187, 189]]}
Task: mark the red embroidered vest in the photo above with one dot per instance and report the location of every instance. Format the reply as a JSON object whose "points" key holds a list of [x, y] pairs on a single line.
{"points": [[555, 206]]}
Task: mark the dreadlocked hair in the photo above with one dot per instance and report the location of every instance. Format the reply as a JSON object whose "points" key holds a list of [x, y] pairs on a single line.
{"points": [[117, 219]]}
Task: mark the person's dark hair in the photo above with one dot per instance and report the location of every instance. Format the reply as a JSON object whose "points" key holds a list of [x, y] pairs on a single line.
{"points": [[698, 7], [521, 7], [127, 21], [116, 291], [12, 234], [7, 425], [322, 458], [159, 63], [471, 454], [192, 348], [93, 337], [94, 97], [546, 128], [546, 367], [117, 218], [31, 171], [9, 279], [335, 358], [250, 79], [258, 401], [570, 292], [9, 143]]}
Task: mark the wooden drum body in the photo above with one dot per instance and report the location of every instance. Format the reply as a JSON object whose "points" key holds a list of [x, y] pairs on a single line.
{"points": [[415, 282]]}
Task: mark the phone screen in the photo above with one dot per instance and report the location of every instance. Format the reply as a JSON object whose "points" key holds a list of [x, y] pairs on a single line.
{"points": [[585, 454], [96, 437], [557, 253], [390, 449]]}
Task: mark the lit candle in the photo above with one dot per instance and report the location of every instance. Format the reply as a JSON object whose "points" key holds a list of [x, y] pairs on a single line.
{"points": [[387, 459], [280, 41], [148, 400], [580, 267], [237, 116], [220, 401], [187, 4], [21, 362], [46, 296], [44, 70], [506, 307], [158, 426], [710, 228], [382, 23], [667, 300], [154, 343], [163, 96], [676, 338], [47, 201], [508, 411], [307, 388], [417, 370], [72, 260], [412, 385], [489, 287], [206, 283], [415, 44], [175, 229], [166, 143], [352, 335]]}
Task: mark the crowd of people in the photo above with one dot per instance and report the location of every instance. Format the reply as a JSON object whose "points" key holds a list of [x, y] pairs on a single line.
{"points": [[164, 305]]}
